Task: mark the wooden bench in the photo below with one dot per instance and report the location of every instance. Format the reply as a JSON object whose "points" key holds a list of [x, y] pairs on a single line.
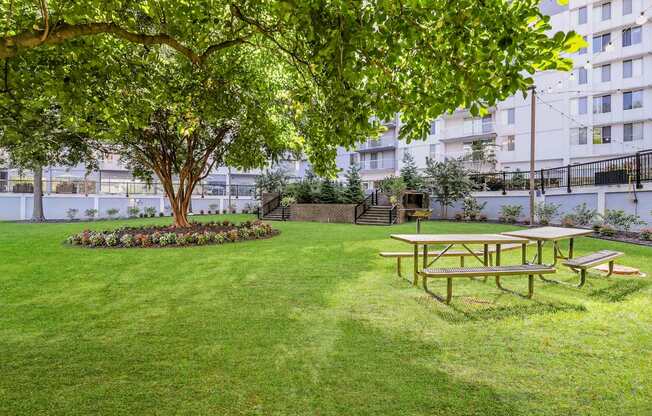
{"points": [[583, 263], [450, 253], [529, 270]]}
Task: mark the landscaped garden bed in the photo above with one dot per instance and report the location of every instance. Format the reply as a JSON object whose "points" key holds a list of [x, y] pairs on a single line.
{"points": [[198, 234]]}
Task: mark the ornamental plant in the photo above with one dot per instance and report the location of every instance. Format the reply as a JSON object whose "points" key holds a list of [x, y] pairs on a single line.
{"points": [[546, 212], [510, 213]]}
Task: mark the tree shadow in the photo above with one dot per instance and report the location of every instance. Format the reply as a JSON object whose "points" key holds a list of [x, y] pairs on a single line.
{"points": [[619, 291]]}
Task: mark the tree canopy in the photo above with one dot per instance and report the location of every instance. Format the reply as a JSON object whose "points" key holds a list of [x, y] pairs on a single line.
{"points": [[179, 86]]}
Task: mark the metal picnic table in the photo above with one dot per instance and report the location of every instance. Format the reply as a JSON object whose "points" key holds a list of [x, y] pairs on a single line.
{"points": [[543, 235], [464, 240]]}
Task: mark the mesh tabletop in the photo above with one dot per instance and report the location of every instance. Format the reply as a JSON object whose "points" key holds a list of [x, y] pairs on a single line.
{"points": [[459, 239], [549, 233]]}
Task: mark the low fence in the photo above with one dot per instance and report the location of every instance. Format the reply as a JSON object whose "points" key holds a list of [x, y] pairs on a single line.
{"points": [[108, 187], [634, 170]]}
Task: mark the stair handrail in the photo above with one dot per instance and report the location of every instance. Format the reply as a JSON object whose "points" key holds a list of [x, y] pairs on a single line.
{"points": [[364, 206], [393, 214], [270, 205]]}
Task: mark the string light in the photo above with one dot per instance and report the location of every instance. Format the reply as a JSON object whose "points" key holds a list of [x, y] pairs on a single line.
{"points": [[609, 47], [588, 65]]}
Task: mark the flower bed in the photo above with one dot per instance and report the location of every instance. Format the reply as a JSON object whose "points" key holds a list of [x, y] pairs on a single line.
{"points": [[198, 234]]}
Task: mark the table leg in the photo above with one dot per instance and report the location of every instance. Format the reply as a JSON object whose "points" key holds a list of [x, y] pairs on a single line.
{"points": [[571, 246], [539, 252], [425, 256], [524, 253], [416, 265], [486, 257], [418, 225], [498, 264]]}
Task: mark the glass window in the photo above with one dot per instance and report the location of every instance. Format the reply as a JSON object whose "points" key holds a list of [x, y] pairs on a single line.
{"points": [[627, 7], [582, 76], [433, 127], [581, 137], [600, 42], [632, 68], [511, 116], [632, 99], [602, 104], [352, 159], [606, 11], [605, 75], [582, 15], [487, 124], [602, 135], [632, 36], [584, 50], [582, 105], [627, 69], [632, 132], [510, 143]]}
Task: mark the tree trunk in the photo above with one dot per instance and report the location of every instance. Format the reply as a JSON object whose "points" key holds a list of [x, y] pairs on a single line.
{"points": [[37, 210], [179, 200]]}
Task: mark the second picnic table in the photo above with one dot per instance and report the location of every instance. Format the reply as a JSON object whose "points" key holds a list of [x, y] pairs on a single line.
{"points": [[542, 235], [464, 240]]}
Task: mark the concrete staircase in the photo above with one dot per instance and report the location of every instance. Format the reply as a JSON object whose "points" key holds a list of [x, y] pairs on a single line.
{"points": [[375, 215], [277, 214]]}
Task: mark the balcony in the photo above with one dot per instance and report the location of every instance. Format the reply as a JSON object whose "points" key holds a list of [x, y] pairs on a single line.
{"points": [[378, 164], [477, 130], [384, 143]]}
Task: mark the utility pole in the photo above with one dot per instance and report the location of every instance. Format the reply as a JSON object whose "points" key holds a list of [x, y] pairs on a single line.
{"points": [[533, 125]]}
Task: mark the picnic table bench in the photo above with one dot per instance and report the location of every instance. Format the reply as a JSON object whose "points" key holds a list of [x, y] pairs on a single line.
{"points": [[591, 260]]}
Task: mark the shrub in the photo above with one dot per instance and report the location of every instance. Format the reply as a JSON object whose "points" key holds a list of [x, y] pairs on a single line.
{"points": [[155, 237], [133, 212], [472, 208], [150, 212], [203, 239], [646, 234], [546, 212], [72, 213], [184, 239], [112, 212], [607, 230], [167, 239], [510, 213], [201, 212], [568, 220], [483, 217], [97, 240], [161, 214], [90, 213], [127, 240], [596, 227], [143, 240], [214, 208], [287, 201], [583, 215], [459, 216], [220, 238], [111, 240], [232, 235], [620, 220]]}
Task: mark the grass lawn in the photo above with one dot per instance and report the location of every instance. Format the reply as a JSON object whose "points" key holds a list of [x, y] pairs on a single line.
{"points": [[312, 322]]}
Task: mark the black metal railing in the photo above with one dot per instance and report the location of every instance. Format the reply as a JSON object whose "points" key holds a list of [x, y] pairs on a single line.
{"points": [[362, 207], [393, 214], [270, 206], [109, 187], [626, 170]]}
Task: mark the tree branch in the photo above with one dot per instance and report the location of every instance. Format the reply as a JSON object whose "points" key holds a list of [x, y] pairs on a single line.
{"points": [[62, 32]]}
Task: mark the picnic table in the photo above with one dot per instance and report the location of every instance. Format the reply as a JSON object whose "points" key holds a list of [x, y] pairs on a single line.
{"points": [[543, 235], [463, 240]]}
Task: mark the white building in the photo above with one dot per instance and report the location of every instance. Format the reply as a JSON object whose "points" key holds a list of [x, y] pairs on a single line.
{"points": [[602, 109]]}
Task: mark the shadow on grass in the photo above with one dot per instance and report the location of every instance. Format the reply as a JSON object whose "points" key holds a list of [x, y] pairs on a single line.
{"points": [[464, 309], [619, 291]]}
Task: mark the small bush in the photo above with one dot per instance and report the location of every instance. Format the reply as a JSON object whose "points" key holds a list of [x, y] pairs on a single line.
{"points": [[596, 227], [568, 220], [607, 230], [133, 212], [167, 239], [287, 201], [459, 216], [150, 212], [90, 213], [583, 215], [214, 208], [127, 240], [646, 234], [471, 208], [201, 212], [483, 217], [112, 212], [72, 213], [161, 214], [546, 212], [97, 240], [111, 240], [510, 213], [620, 220]]}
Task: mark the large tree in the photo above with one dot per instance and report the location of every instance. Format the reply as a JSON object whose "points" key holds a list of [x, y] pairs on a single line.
{"points": [[181, 86]]}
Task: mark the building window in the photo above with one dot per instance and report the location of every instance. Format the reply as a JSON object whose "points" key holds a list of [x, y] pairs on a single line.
{"points": [[373, 161], [632, 132], [633, 68], [487, 124], [510, 116], [579, 136], [602, 104], [584, 50], [433, 151], [352, 159], [582, 15], [582, 76], [602, 135], [600, 42], [627, 7], [582, 105], [602, 73], [602, 12], [632, 36], [632, 99], [433, 127], [510, 143]]}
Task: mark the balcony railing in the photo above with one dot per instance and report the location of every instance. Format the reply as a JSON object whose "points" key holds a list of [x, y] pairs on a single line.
{"points": [[378, 164], [108, 187]]}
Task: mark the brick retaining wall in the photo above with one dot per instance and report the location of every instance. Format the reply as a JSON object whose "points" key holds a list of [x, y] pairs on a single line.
{"points": [[339, 213]]}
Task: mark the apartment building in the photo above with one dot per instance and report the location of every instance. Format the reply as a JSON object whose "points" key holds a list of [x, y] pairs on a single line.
{"points": [[602, 109]]}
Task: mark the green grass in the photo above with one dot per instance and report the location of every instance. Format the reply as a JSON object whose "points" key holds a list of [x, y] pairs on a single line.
{"points": [[312, 322]]}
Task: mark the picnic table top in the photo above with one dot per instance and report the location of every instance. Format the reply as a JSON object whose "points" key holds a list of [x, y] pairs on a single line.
{"points": [[458, 238], [549, 233]]}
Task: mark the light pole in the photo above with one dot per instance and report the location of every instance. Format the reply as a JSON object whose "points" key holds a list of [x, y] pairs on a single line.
{"points": [[533, 124]]}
